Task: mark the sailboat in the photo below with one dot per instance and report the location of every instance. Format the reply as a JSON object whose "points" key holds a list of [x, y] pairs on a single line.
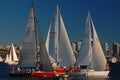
{"points": [[29, 49], [12, 58], [91, 54], [29, 62], [1, 59], [58, 43]]}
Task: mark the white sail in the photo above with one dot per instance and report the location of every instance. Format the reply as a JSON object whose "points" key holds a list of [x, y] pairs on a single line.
{"points": [[12, 58], [91, 52], [47, 39], [47, 45], [6, 59], [84, 56], [65, 49], [99, 59], [29, 48], [15, 58], [1, 59], [58, 40], [53, 39]]}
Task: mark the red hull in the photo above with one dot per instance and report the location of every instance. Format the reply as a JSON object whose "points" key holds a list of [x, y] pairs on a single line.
{"points": [[41, 74], [48, 74], [60, 71]]}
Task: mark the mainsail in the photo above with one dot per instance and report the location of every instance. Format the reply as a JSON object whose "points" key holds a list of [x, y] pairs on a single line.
{"points": [[91, 52], [59, 44], [29, 48], [84, 56]]}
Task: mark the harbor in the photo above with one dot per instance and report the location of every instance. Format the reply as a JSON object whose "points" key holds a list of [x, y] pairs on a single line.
{"points": [[47, 64], [58, 57]]}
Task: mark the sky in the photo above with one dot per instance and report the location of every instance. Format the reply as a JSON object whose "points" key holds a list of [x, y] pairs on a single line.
{"points": [[105, 15]]}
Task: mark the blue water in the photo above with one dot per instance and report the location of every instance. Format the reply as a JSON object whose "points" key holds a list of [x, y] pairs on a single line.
{"points": [[29, 78], [5, 69]]}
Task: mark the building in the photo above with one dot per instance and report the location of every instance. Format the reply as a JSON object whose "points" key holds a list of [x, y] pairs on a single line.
{"points": [[116, 50], [76, 47]]}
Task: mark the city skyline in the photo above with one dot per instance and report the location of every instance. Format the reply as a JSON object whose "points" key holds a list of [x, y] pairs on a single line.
{"points": [[105, 15]]}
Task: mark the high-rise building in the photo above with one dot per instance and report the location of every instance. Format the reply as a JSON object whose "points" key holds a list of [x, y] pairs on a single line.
{"points": [[106, 48], [78, 46], [116, 49], [74, 47]]}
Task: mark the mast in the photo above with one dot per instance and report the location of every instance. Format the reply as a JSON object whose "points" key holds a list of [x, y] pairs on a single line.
{"points": [[56, 34], [36, 55], [91, 41], [59, 44], [53, 40]]}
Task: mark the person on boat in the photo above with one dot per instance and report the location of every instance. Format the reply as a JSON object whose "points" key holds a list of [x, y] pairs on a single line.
{"points": [[37, 68], [107, 67], [19, 69], [54, 66], [77, 69], [67, 69], [70, 68], [64, 67]]}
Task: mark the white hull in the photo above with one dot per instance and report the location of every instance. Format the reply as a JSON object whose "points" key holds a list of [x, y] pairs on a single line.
{"points": [[12, 63], [102, 74], [76, 75], [88, 74]]}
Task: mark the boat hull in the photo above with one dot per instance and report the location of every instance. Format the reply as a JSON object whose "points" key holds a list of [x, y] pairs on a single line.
{"points": [[83, 74], [102, 74], [57, 72], [76, 75], [19, 74], [42, 74]]}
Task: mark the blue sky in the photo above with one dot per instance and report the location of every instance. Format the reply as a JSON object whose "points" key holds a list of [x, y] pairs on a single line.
{"points": [[105, 14]]}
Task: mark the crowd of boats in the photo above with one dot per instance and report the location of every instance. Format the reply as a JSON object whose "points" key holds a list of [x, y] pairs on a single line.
{"points": [[55, 56]]}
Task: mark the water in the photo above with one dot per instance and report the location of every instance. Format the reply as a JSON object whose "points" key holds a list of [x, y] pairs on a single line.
{"points": [[6, 77], [29, 78], [5, 69]]}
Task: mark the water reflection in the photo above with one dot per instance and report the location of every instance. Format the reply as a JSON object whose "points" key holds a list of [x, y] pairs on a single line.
{"points": [[30, 78]]}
